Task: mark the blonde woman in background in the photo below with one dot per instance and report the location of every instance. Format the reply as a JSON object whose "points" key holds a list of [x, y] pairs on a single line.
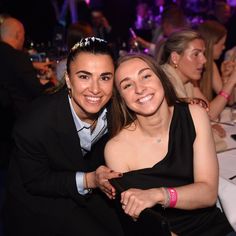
{"points": [[183, 59]]}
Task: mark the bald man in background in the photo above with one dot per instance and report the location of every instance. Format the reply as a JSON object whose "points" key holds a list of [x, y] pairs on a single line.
{"points": [[19, 84]]}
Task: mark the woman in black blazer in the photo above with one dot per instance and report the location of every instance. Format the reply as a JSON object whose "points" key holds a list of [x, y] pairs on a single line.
{"points": [[57, 163]]}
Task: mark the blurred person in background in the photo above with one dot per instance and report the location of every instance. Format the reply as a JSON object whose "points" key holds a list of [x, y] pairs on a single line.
{"points": [[172, 19], [215, 83], [19, 84], [100, 24], [183, 59]]}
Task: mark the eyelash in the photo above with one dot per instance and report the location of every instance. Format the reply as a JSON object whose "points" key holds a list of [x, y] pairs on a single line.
{"points": [[146, 76], [83, 77], [104, 78]]}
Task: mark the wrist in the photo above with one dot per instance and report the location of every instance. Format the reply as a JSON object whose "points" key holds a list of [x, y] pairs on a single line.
{"points": [[89, 180], [224, 94], [170, 197]]}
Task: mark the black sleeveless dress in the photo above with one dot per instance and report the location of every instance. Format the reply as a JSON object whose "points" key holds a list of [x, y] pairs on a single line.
{"points": [[176, 169]]}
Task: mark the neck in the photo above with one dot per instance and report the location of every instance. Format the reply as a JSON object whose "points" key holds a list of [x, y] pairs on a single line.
{"points": [[158, 123], [176, 72], [181, 76]]}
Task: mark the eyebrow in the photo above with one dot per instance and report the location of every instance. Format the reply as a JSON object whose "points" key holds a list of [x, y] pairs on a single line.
{"points": [[89, 73], [198, 50], [140, 72]]}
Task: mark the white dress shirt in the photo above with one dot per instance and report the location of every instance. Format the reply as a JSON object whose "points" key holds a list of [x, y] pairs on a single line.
{"points": [[87, 139]]}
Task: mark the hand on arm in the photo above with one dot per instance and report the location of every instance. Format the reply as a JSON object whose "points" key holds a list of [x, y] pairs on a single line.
{"points": [[100, 177], [134, 201]]}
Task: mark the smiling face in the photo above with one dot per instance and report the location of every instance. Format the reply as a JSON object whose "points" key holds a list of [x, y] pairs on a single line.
{"points": [[139, 86], [218, 48], [91, 81], [191, 62]]}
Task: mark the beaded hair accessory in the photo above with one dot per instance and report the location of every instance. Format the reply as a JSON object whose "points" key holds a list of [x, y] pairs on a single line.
{"points": [[86, 42]]}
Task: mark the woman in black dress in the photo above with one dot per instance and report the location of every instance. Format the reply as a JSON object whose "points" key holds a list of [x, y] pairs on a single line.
{"points": [[166, 151]]}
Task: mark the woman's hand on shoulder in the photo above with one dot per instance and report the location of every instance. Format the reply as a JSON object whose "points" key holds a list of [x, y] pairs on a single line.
{"points": [[101, 179]]}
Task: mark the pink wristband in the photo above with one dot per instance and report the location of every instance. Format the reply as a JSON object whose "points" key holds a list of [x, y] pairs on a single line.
{"points": [[224, 94], [173, 197]]}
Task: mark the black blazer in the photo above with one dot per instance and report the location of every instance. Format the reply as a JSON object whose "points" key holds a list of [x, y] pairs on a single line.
{"points": [[18, 87], [18, 81], [42, 194]]}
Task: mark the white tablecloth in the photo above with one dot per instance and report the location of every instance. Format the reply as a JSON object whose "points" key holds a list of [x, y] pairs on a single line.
{"points": [[227, 187]]}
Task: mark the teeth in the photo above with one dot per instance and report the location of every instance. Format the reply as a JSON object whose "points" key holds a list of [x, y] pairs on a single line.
{"points": [[145, 99], [93, 99]]}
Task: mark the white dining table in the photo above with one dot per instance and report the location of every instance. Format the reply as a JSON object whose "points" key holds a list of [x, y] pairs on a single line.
{"points": [[227, 182]]}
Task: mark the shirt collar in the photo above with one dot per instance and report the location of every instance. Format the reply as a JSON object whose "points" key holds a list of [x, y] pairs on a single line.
{"points": [[79, 124]]}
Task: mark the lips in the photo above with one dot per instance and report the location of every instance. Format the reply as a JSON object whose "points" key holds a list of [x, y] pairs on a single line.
{"points": [[200, 70]]}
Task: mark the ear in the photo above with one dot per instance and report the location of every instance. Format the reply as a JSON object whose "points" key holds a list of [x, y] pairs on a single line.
{"points": [[174, 56], [67, 79]]}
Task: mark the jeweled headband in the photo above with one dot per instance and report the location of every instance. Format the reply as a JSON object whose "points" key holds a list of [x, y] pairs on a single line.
{"points": [[86, 42]]}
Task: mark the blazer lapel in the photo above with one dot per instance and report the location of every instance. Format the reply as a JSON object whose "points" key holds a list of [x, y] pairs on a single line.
{"points": [[67, 133]]}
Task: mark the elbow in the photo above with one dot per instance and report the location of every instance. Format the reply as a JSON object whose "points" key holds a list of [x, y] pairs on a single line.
{"points": [[211, 198]]}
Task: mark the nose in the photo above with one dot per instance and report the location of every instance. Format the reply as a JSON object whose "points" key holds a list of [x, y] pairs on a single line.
{"points": [[204, 60], [94, 87], [139, 88]]}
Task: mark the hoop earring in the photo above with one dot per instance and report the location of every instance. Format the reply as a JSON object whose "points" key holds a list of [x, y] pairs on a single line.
{"points": [[69, 92]]}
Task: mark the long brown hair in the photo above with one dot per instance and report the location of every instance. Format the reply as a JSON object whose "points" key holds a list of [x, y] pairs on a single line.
{"points": [[122, 116], [212, 32]]}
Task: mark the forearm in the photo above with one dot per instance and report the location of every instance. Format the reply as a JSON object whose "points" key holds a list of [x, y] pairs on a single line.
{"points": [[194, 196], [187, 197], [218, 104]]}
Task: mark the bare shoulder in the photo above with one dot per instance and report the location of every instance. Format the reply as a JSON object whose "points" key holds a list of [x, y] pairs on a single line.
{"points": [[200, 116], [116, 142], [197, 111], [116, 152]]}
